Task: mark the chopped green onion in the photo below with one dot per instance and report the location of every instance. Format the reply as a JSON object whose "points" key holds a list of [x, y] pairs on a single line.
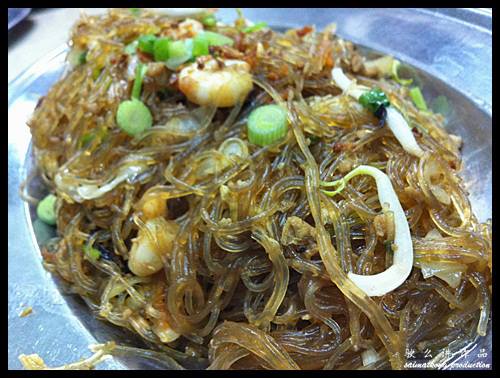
{"points": [[140, 72], [82, 58], [86, 139], [217, 39], [135, 11], [441, 105], [374, 99], [92, 253], [46, 209], [314, 139], [418, 98], [209, 20], [96, 72], [160, 49], [102, 133], [133, 117], [200, 45], [77, 57], [267, 124], [240, 22], [395, 66], [178, 49], [131, 48], [146, 43], [179, 52], [258, 26]]}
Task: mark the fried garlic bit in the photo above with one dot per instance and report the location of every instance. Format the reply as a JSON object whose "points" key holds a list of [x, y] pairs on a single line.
{"points": [[101, 352]]}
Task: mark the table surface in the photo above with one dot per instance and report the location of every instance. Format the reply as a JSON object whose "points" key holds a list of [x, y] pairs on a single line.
{"points": [[41, 32]]}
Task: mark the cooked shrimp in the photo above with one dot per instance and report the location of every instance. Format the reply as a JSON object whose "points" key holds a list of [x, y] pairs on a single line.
{"points": [[216, 82], [146, 254]]}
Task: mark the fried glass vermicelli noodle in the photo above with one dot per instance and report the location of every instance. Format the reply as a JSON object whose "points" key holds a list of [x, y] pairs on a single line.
{"points": [[216, 249]]}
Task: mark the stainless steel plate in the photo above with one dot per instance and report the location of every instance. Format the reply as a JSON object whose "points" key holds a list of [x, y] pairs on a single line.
{"points": [[452, 51]]}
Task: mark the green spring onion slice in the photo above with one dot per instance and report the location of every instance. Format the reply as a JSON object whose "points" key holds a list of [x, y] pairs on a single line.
{"points": [[160, 49], [200, 45], [209, 20], [179, 52], [395, 66], [77, 57], [86, 139], [258, 26], [131, 48], [133, 117], [140, 72], [92, 253], [441, 105], [147, 43], [267, 124], [135, 11], [217, 39], [418, 98], [46, 210]]}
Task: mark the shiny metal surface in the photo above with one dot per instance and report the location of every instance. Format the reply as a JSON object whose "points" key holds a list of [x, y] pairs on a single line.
{"points": [[451, 50]]}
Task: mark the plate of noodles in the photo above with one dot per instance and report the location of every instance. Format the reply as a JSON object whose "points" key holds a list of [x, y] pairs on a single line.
{"points": [[307, 190]]}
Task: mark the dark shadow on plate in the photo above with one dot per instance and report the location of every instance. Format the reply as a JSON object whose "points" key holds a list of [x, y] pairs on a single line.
{"points": [[17, 33]]}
